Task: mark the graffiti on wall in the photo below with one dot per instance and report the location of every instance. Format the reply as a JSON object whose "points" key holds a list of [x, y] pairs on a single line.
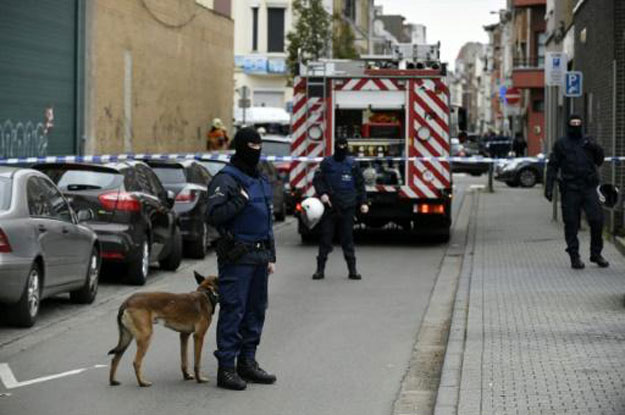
{"points": [[26, 139]]}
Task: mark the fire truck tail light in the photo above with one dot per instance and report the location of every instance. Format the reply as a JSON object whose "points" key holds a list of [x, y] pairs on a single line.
{"points": [[429, 209]]}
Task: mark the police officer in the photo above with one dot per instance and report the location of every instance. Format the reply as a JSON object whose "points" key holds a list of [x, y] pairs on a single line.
{"points": [[341, 185], [576, 158], [240, 207]]}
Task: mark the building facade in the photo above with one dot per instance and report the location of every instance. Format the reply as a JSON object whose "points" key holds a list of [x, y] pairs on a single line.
{"points": [[359, 15], [260, 29], [158, 72]]}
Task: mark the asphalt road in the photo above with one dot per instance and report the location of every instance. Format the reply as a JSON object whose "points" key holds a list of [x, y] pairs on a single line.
{"points": [[337, 346]]}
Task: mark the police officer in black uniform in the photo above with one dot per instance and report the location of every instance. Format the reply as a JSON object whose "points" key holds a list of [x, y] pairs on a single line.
{"points": [[577, 158], [240, 207], [341, 185]]}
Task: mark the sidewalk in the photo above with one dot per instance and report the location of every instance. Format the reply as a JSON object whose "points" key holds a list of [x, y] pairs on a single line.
{"points": [[541, 338]]}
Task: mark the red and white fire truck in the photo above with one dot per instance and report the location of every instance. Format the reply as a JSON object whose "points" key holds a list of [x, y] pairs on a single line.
{"points": [[394, 112]]}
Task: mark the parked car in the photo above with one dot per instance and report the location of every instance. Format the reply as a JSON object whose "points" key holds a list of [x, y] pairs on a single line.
{"points": [[189, 181], [521, 172], [472, 168], [134, 216], [44, 247], [498, 146], [276, 181]]}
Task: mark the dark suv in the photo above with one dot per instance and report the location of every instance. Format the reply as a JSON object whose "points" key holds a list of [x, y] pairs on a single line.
{"points": [[189, 181], [133, 213]]}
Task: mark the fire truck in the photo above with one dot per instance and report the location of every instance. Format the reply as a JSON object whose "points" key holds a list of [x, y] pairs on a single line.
{"points": [[395, 113]]}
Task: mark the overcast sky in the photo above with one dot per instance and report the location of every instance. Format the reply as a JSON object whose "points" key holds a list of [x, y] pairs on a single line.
{"points": [[453, 22]]}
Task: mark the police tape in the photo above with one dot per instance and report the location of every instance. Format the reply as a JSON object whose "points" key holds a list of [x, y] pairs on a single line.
{"points": [[225, 157]]}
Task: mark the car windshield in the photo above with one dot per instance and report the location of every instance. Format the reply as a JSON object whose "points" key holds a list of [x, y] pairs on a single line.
{"points": [[170, 175], [213, 167], [5, 193], [67, 179]]}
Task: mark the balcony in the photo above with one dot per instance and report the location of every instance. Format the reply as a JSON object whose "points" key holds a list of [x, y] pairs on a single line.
{"points": [[529, 3], [529, 73]]}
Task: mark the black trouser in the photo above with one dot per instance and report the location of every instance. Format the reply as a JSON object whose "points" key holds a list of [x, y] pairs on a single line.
{"points": [[573, 202], [343, 221]]}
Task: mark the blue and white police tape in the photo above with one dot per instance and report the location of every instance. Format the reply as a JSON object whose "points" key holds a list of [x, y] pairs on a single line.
{"points": [[225, 157]]}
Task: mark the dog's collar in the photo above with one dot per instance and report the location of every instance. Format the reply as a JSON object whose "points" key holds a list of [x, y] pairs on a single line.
{"points": [[212, 298]]}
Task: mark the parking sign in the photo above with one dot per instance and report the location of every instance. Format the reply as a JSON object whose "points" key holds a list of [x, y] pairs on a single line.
{"points": [[573, 84]]}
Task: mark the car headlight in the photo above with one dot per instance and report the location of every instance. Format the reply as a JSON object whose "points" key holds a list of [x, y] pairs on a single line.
{"points": [[315, 133]]}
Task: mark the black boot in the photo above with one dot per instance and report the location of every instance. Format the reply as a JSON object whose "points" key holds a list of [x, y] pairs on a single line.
{"points": [[599, 260], [228, 378], [351, 266], [576, 262], [321, 265], [249, 370]]}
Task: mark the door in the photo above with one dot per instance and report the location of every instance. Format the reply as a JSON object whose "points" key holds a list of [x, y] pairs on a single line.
{"points": [[38, 111], [160, 215], [74, 242]]}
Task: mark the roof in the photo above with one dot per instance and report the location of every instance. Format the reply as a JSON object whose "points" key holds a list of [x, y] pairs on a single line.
{"points": [[262, 115]]}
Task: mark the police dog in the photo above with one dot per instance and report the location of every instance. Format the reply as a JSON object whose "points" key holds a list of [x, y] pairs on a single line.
{"points": [[187, 314]]}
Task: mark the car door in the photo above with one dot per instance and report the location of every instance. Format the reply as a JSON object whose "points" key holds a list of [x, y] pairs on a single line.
{"points": [[74, 241], [160, 215]]}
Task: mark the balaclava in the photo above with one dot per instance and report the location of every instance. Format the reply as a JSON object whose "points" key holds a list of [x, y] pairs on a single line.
{"points": [[245, 157], [575, 131], [340, 149]]}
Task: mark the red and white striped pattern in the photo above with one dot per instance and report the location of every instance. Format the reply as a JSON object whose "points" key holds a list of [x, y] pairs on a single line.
{"points": [[430, 110], [306, 112], [369, 84]]}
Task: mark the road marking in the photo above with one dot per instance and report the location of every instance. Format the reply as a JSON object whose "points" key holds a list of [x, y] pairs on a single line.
{"points": [[477, 187], [7, 377]]}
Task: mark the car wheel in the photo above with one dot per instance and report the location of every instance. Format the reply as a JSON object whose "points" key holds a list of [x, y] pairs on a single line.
{"points": [[88, 292], [197, 249], [172, 261], [24, 313], [512, 183], [139, 268], [528, 178]]}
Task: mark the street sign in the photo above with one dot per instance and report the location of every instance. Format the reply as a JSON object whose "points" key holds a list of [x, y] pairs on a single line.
{"points": [[555, 68], [513, 96], [245, 103], [573, 84]]}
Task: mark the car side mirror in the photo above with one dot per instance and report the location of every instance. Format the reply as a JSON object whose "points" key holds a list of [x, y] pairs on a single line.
{"points": [[171, 198], [85, 215]]}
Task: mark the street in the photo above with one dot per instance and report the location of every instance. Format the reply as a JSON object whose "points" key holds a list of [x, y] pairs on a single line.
{"points": [[336, 345]]}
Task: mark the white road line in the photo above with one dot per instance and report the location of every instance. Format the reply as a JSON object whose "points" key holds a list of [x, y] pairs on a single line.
{"points": [[7, 377]]}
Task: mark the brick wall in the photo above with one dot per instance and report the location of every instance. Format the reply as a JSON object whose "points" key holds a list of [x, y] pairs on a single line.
{"points": [[603, 21]]}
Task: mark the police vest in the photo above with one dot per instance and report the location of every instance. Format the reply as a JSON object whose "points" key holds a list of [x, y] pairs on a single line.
{"points": [[340, 177], [253, 223]]}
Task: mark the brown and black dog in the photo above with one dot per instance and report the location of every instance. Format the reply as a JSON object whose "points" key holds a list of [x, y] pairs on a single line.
{"points": [[187, 314]]}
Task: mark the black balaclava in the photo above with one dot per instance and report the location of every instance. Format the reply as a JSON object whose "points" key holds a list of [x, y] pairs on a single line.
{"points": [[340, 149], [575, 132], [246, 158]]}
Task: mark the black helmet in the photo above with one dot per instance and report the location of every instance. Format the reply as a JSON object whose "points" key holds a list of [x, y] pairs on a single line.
{"points": [[608, 195]]}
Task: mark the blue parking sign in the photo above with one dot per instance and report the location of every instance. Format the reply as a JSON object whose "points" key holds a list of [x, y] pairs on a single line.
{"points": [[573, 84]]}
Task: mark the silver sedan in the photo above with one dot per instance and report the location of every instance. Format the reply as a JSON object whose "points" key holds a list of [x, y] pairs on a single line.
{"points": [[44, 250]]}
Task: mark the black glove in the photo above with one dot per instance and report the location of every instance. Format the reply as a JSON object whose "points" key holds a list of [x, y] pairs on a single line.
{"points": [[549, 194]]}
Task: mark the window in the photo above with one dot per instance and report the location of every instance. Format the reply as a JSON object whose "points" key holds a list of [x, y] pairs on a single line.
{"points": [[538, 105], [170, 175], [44, 199], [84, 180], [350, 9], [275, 29], [5, 193], [254, 29], [540, 49]]}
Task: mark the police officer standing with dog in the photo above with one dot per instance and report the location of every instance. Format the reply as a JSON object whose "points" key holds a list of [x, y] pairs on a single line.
{"points": [[576, 158], [240, 207], [341, 187]]}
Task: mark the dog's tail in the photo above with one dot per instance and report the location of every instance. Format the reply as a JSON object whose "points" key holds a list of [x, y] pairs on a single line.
{"points": [[125, 336]]}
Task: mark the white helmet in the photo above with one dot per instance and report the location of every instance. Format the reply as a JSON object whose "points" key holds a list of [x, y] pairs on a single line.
{"points": [[312, 211]]}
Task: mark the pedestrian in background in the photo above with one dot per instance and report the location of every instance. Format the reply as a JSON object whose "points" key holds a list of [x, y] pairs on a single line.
{"points": [[341, 187], [576, 159], [217, 137], [519, 145], [240, 208]]}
